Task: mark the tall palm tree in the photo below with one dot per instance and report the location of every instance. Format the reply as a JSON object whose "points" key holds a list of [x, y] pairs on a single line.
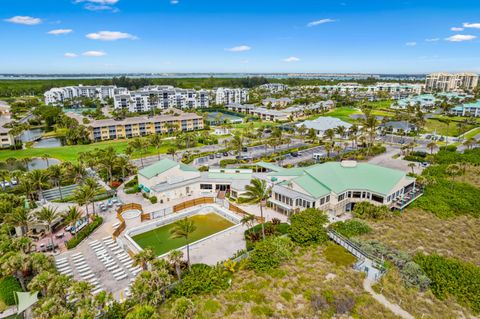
{"points": [[237, 143], [370, 126], [353, 133], [140, 145], [107, 160], [143, 258], [39, 179], [328, 147], [412, 166], [172, 151], [55, 173], [123, 161], [48, 215], [330, 134], [470, 142], [432, 145], [72, 216], [4, 175], [184, 229], [157, 142], [84, 195], [20, 217], [257, 193], [175, 258]]}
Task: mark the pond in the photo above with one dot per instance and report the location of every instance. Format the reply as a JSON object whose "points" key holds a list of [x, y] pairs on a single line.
{"points": [[40, 163], [31, 135], [49, 142]]}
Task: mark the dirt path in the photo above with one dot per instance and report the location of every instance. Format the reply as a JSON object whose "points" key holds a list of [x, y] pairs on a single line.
{"points": [[367, 285]]}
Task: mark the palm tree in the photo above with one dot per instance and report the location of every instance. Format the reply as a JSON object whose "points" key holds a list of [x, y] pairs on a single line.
{"points": [[39, 179], [107, 160], [20, 217], [237, 143], [72, 216], [84, 195], [432, 145], [124, 163], [370, 126], [353, 132], [248, 220], [412, 166], [175, 257], [453, 170], [257, 193], [140, 145], [143, 258], [55, 173], [157, 142], [470, 142], [330, 134], [340, 130], [48, 216], [46, 158], [183, 229], [172, 151], [328, 147]]}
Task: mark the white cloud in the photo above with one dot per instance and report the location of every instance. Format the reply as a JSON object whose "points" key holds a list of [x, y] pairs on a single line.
{"points": [[460, 38], [291, 59], [432, 39], [26, 20], [472, 25], [240, 48], [70, 55], [174, 1], [60, 31], [318, 22], [456, 29], [99, 5], [110, 36], [411, 44], [94, 53]]}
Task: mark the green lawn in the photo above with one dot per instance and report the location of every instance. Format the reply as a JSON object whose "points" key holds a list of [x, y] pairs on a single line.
{"points": [[343, 113], [472, 133], [159, 239], [441, 128], [70, 152]]}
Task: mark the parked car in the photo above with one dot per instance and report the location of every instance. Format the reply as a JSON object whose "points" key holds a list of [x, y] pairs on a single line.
{"points": [[244, 149], [218, 155], [294, 154], [211, 156], [225, 154]]}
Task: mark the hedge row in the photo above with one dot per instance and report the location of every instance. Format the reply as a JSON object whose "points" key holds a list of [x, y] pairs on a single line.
{"points": [[87, 230]]}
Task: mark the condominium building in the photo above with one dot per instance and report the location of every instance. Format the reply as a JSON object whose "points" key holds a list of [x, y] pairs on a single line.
{"points": [[445, 82], [280, 102], [110, 129], [56, 96], [273, 87], [161, 97], [467, 109], [6, 138], [225, 96]]}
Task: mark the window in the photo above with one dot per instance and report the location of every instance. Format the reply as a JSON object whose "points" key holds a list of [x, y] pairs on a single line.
{"points": [[341, 197], [322, 201], [327, 199], [377, 198], [357, 194], [206, 186]]}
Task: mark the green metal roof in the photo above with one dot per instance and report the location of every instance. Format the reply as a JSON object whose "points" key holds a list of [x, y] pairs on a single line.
{"points": [[318, 180], [365, 176], [163, 166], [270, 166]]}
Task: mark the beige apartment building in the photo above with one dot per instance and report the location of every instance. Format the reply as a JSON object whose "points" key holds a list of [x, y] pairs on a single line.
{"points": [[446, 82]]}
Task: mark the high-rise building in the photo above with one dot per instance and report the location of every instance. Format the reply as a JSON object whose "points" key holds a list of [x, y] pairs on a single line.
{"points": [[446, 82]]}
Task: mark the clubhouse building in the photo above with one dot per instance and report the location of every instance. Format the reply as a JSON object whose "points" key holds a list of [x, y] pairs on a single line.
{"points": [[334, 187]]}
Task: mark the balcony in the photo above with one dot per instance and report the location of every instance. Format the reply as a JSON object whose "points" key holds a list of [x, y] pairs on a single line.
{"points": [[407, 198]]}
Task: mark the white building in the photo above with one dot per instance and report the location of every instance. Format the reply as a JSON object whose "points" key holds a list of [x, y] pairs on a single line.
{"points": [[57, 96], [224, 96], [446, 82], [274, 87], [324, 123], [161, 97]]}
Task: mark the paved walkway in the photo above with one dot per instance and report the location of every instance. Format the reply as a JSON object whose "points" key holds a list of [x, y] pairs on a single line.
{"points": [[396, 309]]}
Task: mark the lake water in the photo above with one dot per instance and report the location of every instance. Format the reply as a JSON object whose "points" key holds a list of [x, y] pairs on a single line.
{"points": [[39, 163], [49, 143], [31, 135]]}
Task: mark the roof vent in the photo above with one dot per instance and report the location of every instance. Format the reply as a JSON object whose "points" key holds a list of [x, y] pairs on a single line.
{"points": [[349, 164]]}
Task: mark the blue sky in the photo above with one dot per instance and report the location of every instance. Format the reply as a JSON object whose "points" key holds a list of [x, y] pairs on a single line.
{"points": [[367, 36]]}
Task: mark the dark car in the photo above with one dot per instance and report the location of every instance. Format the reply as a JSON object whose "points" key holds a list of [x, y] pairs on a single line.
{"points": [[244, 149], [267, 131], [225, 153], [211, 156], [294, 154]]}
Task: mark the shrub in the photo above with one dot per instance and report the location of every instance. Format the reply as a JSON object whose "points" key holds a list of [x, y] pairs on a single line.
{"points": [[183, 308], [352, 227], [132, 182], [452, 277], [132, 190], [115, 184], [344, 304], [8, 286], [270, 253], [368, 210], [319, 303], [202, 279], [307, 227], [338, 255], [254, 234], [87, 230], [225, 162], [153, 199]]}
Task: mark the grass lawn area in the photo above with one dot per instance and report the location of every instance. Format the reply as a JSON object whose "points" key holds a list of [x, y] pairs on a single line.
{"points": [[8, 286], [343, 113], [441, 128], [472, 133], [416, 231], [159, 239], [380, 104], [256, 124], [70, 152]]}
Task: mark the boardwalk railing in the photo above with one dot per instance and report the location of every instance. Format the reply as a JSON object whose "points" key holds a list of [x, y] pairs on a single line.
{"points": [[355, 249], [193, 202]]}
